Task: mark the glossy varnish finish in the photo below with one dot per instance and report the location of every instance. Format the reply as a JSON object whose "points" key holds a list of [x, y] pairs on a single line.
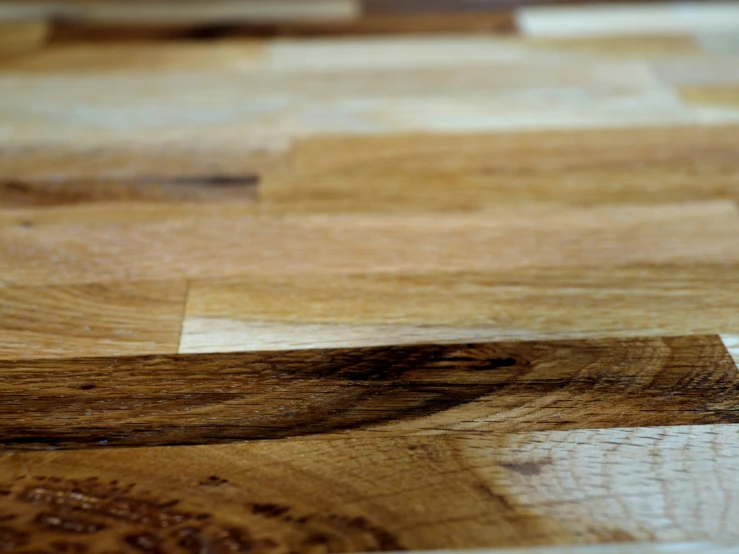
{"points": [[332, 294]]}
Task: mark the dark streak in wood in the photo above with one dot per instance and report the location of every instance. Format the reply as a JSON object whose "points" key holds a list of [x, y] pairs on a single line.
{"points": [[53, 192], [210, 398]]}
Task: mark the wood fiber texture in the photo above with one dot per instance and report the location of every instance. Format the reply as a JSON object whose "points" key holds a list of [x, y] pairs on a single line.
{"points": [[342, 276]]}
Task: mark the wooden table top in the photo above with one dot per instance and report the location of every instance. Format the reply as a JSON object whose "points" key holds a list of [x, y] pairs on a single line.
{"points": [[290, 277]]}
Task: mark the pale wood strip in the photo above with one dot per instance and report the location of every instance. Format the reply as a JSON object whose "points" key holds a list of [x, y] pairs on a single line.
{"points": [[732, 345], [698, 71], [504, 240], [482, 490], [213, 334], [628, 18], [719, 42], [90, 320], [280, 313]]}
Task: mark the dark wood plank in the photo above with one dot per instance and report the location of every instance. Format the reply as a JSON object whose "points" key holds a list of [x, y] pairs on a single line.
{"points": [[379, 23], [517, 386]]}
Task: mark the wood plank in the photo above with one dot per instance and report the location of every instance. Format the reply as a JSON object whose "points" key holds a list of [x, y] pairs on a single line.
{"points": [[359, 310], [700, 71], [509, 387], [249, 106], [369, 494], [732, 345], [629, 18], [717, 95], [90, 320], [409, 173], [505, 240]]}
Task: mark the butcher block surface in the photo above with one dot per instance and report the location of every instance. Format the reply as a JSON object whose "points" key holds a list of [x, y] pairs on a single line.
{"points": [[338, 276]]}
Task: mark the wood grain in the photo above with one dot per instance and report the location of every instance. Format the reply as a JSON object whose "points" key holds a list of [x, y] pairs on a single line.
{"points": [[383, 309], [732, 345], [677, 235], [629, 18], [94, 320], [195, 399], [411, 173], [370, 494]]}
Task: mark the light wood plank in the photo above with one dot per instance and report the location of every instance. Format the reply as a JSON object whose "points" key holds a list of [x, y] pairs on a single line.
{"points": [[360, 310], [90, 320], [712, 95], [698, 71], [468, 491], [677, 235], [629, 18], [732, 345], [234, 334]]}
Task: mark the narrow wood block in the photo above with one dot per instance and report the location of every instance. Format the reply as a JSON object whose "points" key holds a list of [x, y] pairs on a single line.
{"points": [[91, 320], [379, 494], [508, 387]]}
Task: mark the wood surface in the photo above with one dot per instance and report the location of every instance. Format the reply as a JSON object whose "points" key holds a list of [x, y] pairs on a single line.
{"points": [[390, 493], [500, 387], [322, 277]]}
